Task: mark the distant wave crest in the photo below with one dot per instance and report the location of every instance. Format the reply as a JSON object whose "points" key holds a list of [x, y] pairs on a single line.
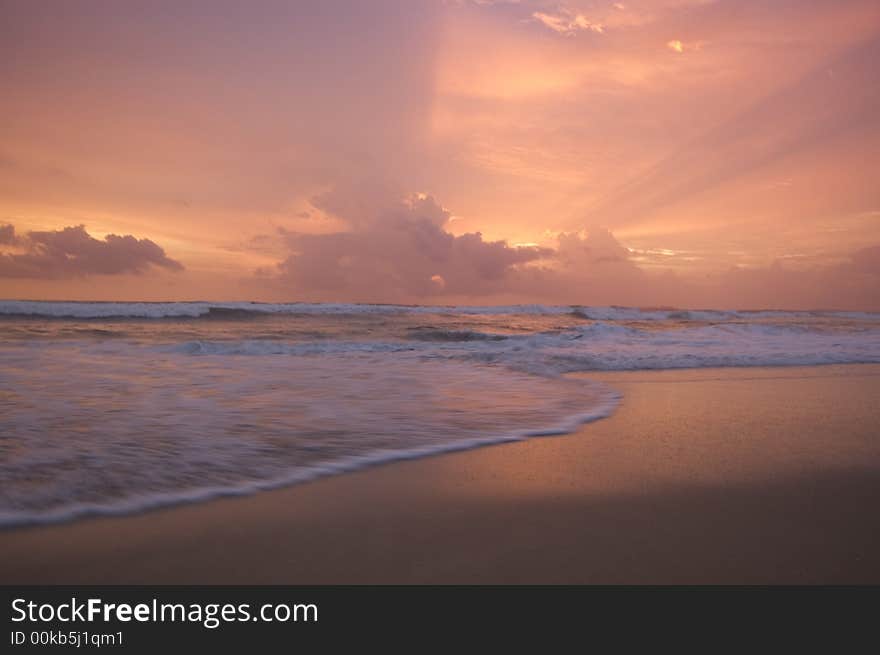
{"points": [[245, 310]]}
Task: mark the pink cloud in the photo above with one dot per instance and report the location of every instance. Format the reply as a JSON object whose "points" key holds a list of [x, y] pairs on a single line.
{"points": [[400, 252]]}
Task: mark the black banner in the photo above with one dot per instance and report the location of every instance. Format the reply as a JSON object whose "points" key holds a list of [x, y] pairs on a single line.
{"points": [[135, 618]]}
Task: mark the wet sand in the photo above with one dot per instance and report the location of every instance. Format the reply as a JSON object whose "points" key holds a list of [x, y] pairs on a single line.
{"points": [[705, 476]]}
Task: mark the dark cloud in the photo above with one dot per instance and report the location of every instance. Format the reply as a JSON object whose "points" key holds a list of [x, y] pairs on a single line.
{"points": [[7, 235], [72, 252], [591, 268], [398, 253]]}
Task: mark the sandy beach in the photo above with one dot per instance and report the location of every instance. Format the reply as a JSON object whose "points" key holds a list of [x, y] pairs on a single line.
{"points": [[701, 476]]}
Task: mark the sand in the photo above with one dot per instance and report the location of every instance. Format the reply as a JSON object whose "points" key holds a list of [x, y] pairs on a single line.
{"points": [[708, 476]]}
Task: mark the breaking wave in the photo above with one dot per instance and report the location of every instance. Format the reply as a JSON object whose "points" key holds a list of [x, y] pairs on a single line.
{"points": [[233, 310]]}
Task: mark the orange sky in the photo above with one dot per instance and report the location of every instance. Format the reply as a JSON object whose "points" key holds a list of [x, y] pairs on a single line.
{"points": [[665, 152]]}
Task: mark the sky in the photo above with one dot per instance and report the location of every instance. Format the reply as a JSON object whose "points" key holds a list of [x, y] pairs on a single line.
{"points": [[689, 153]]}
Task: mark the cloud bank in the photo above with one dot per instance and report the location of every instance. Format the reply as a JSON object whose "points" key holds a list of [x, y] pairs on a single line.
{"points": [[73, 252], [402, 252]]}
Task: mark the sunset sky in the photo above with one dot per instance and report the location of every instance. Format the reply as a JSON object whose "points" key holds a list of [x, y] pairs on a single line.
{"points": [[699, 153]]}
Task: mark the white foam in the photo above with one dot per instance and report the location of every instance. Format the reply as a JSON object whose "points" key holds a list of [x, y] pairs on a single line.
{"points": [[141, 503], [600, 346], [129, 431], [98, 310], [90, 310]]}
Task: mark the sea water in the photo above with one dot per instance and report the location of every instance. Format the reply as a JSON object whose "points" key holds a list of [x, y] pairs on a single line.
{"points": [[116, 407]]}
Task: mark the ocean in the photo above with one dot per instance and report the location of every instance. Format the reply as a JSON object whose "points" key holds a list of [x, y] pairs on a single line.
{"points": [[109, 408]]}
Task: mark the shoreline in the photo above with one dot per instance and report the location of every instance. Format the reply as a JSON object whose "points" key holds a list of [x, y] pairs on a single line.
{"points": [[700, 475], [605, 407]]}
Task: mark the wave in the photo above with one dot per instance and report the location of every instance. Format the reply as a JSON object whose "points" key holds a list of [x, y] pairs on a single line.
{"points": [[182, 410], [439, 334], [232, 310], [275, 347], [246, 310], [226, 427], [142, 503], [598, 346]]}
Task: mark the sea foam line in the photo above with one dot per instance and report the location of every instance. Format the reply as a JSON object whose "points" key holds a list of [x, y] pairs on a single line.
{"points": [[608, 401]]}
